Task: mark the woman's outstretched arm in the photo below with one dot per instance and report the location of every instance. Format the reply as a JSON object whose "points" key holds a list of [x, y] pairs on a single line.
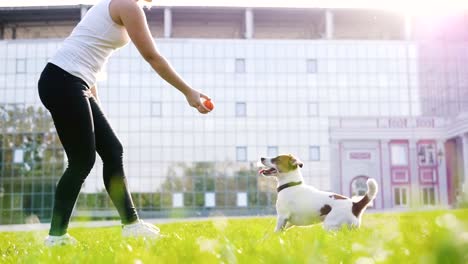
{"points": [[133, 18]]}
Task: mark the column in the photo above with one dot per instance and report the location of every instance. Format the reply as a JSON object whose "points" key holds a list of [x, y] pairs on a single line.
{"points": [[167, 22], [249, 23], [385, 188], [464, 179], [335, 160], [442, 173], [415, 191], [83, 11], [408, 27], [329, 24]]}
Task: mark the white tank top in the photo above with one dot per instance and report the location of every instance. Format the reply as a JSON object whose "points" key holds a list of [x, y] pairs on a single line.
{"points": [[87, 49]]}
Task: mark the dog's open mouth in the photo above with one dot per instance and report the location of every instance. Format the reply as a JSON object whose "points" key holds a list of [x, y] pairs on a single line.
{"points": [[268, 171]]}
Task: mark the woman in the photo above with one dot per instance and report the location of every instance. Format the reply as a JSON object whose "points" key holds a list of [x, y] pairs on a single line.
{"points": [[67, 88]]}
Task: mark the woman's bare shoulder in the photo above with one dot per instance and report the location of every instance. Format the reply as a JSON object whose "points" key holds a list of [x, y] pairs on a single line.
{"points": [[116, 6]]}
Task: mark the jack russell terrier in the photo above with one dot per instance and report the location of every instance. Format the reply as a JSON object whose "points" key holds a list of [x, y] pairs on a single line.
{"points": [[300, 204]]}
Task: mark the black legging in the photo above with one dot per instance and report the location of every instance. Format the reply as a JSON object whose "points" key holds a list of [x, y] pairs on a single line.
{"points": [[83, 129]]}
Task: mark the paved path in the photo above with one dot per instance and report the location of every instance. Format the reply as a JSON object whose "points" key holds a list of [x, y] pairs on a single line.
{"points": [[95, 224]]}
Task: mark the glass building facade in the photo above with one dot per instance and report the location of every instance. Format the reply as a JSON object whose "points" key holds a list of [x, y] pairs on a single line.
{"points": [[271, 97]]}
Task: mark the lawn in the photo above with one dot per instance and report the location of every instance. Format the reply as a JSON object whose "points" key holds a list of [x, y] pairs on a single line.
{"points": [[418, 237]]}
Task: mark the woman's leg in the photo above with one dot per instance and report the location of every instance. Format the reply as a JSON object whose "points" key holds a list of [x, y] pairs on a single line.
{"points": [[74, 124], [110, 149], [63, 95]]}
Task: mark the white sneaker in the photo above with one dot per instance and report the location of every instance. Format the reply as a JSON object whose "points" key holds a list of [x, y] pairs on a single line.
{"points": [[141, 229], [52, 241]]}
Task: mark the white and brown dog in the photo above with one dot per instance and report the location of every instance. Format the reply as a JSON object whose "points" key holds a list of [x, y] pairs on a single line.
{"points": [[300, 204]]}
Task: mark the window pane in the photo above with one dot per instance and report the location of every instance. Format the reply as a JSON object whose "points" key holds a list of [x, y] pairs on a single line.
{"points": [[177, 200], [272, 151], [210, 199], [312, 66], [20, 65], [314, 153], [242, 199], [432, 196], [240, 66], [399, 155], [156, 109], [241, 109], [426, 154], [241, 153], [425, 199], [313, 109], [397, 196], [18, 156], [403, 196]]}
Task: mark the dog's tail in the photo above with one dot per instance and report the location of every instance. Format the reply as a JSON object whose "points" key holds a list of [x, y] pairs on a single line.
{"points": [[372, 189]]}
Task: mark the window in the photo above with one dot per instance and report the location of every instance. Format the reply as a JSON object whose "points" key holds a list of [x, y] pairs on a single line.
{"points": [[428, 196], [399, 155], [313, 109], [241, 109], [17, 201], [240, 65], [177, 200], [210, 200], [242, 199], [314, 153], [156, 109], [427, 154], [400, 175], [20, 65], [241, 153], [428, 175], [400, 196], [18, 156], [272, 151], [311, 65]]}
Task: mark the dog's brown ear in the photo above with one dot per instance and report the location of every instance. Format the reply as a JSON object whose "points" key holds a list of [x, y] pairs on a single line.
{"points": [[296, 162]]}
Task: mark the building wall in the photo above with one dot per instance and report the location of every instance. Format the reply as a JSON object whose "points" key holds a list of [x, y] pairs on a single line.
{"points": [[407, 157], [290, 24], [444, 72], [279, 92], [208, 24], [156, 23], [38, 31], [444, 78], [217, 22], [368, 24], [271, 97]]}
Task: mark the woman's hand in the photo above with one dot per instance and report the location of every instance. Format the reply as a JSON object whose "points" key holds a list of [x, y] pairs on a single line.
{"points": [[193, 99]]}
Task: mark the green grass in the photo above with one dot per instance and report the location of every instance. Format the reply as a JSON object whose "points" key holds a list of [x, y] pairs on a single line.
{"points": [[419, 237]]}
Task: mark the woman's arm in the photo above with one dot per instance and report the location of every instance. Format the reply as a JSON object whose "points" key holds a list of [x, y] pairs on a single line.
{"points": [[134, 20]]}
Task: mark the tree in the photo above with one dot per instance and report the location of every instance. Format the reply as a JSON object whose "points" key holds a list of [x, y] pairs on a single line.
{"points": [[197, 178], [31, 160]]}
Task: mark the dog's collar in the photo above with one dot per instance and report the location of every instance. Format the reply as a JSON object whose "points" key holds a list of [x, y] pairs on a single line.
{"points": [[287, 185]]}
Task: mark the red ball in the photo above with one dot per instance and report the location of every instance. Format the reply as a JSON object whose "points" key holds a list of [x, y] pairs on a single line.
{"points": [[208, 104]]}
